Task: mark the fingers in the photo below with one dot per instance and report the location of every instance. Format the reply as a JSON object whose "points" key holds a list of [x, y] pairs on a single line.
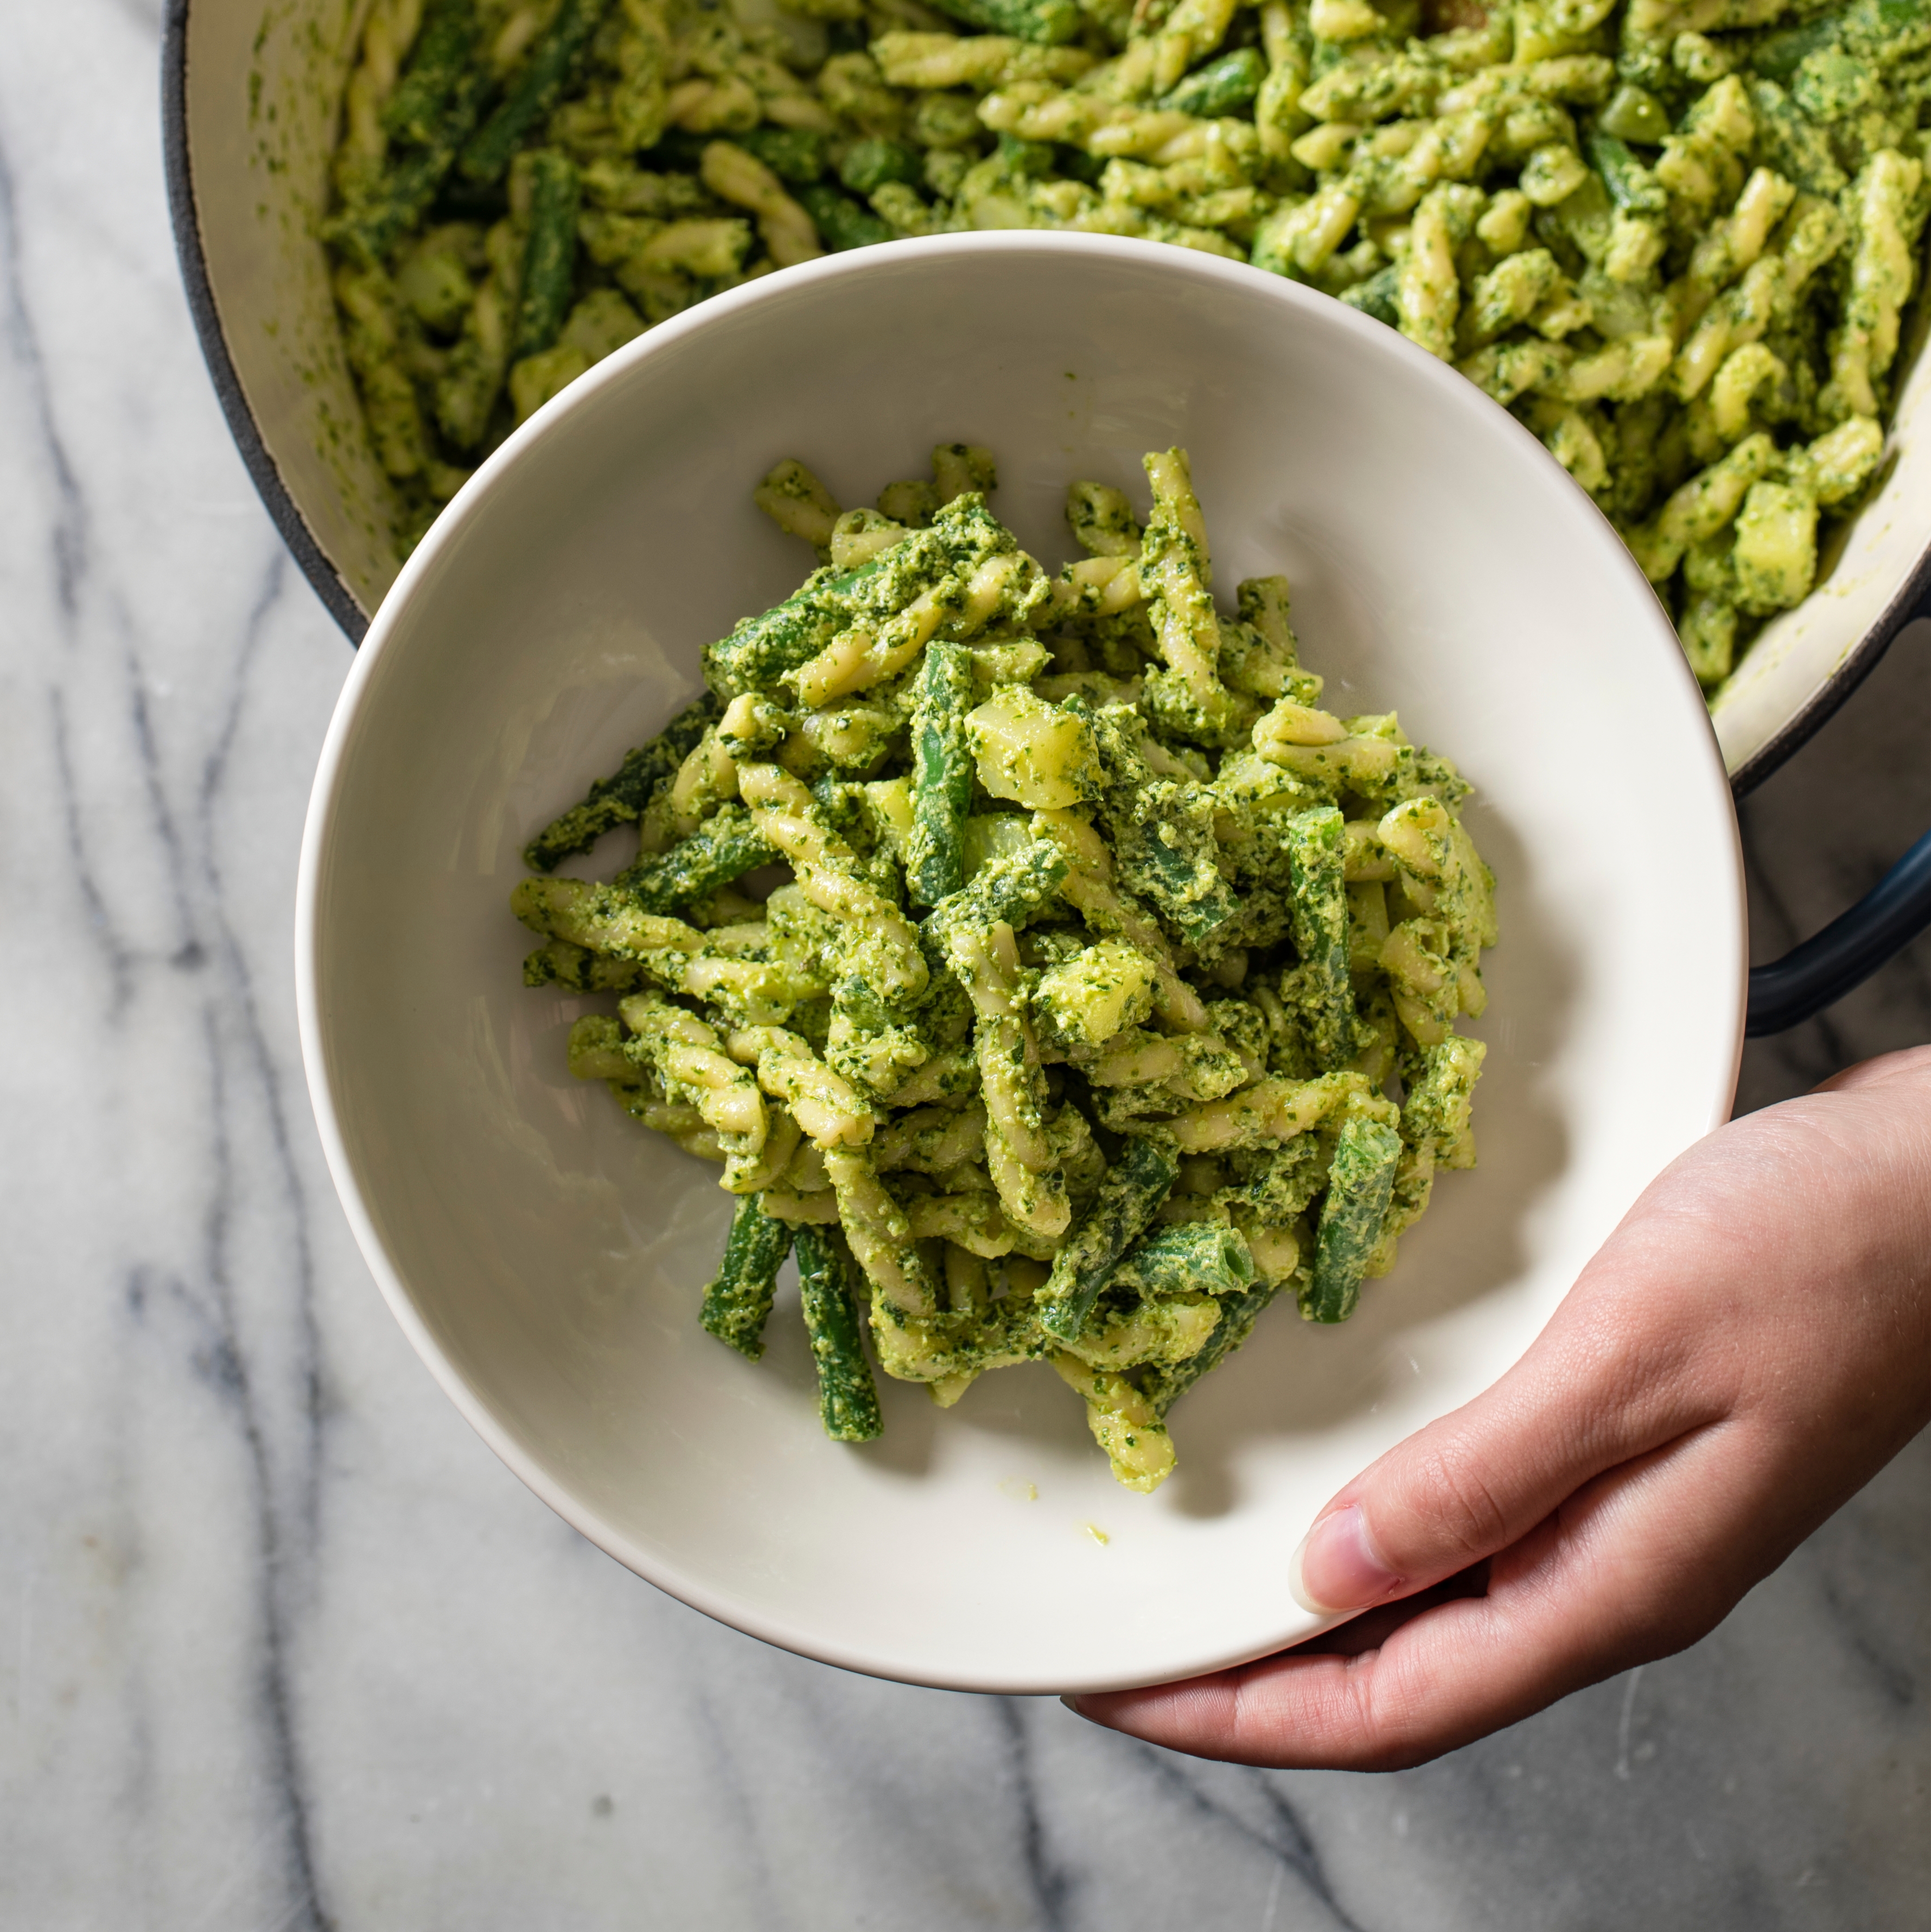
{"points": [[1687, 1315], [1613, 1579], [1911, 1064], [1598, 1388], [1751, 1344]]}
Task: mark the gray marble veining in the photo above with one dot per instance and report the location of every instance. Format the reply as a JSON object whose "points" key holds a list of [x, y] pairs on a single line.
{"points": [[282, 1646]]}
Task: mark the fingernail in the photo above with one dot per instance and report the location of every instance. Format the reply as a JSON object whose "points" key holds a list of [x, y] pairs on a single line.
{"points": [[1337, 1567]]}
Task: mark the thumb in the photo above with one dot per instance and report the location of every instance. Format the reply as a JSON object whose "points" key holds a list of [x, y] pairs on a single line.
{"points": [[1590, 1393]]}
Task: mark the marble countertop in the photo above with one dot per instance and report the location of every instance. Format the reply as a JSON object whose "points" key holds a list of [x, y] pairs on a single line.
{"points": [[282, 1645]]}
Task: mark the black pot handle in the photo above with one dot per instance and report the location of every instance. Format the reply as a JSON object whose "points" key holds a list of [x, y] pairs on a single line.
{"points": [[1821, 971], [1848, 951]]}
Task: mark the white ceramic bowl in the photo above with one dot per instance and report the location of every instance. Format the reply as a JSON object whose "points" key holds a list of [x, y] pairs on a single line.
{"points": [[546, 1257]]}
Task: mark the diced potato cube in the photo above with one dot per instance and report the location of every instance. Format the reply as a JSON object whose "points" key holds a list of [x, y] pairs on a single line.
{"points": [[1033, 752]]}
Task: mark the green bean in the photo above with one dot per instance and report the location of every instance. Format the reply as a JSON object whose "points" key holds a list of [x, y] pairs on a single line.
{"points": [[620, 798], [549, 254], [870, 164], [840, 222], [724, 848], [367, 228], [1049, 23], [1376, 296], [1191, 1258], [1163, 1384], [760, 649], [1778, 56], [534, 91], [942, 775], [1632, 186], [795, 154], [1162, 830], [1129, 1198], [847, 1398], [736, 1304], [1316, 841], [1359, 1185], [1220, 86], [437, 62]]}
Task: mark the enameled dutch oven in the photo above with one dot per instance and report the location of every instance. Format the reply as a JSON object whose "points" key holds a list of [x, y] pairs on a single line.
{"points": [[251, 97]]}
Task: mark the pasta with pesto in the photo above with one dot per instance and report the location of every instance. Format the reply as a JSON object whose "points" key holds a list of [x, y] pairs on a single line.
{"points": [[1038, 958], [1676, 238]]}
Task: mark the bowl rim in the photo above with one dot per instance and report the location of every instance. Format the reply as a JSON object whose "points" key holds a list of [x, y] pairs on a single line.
{"points": [[668, 1576]]}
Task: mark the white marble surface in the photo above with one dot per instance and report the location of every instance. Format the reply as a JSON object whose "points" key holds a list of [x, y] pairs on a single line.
{"points": [[282, 1646]]}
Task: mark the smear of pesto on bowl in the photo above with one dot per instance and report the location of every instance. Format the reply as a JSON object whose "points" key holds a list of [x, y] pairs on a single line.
{"points": [[1111, 987], [1675, 237]]}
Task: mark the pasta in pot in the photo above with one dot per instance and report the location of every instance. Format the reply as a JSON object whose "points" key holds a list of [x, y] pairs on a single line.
{"points": [[1073, 1033], [1675, 237]]}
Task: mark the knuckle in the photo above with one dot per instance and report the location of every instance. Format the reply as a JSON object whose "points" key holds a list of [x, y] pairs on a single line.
{"points": [[1452, 1498]]}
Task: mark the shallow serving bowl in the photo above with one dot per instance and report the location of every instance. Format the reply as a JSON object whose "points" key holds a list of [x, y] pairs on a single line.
{"points": [[547, 1256], [252, 90]]}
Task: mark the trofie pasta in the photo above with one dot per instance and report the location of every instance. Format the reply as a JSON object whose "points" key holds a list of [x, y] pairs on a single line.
{"points": [[1676, 237], [1097, 948]]}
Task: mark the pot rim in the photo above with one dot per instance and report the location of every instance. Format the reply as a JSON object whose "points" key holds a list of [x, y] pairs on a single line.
{"points": [[184, 216]]}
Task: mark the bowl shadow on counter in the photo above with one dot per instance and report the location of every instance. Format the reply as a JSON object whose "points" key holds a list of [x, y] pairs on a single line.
{"points": [[1294, 1378]]}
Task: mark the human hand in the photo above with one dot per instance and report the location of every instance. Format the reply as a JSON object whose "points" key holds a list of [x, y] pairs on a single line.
{"points": [[1749, 1347]]}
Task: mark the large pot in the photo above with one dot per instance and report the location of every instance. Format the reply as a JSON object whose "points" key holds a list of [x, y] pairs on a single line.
{"points": [[251, 93]]}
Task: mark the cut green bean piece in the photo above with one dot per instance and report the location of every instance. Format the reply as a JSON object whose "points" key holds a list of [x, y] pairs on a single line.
{"points": [[760, 649], [369, 227], [1316, 842], [847, 1398], [794, 155], [1632, 186], [1194, 1258], [1359, 1188], [620, 798], [1129, 1198], [1220, 86], [1163, 1384], [724, 848], [550, 255], [840, 222], [868, 165], [736, 1304], [962, 536], [1376, 296], [942, 775], [534, 91], [415, 111], [1049, 23]]}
